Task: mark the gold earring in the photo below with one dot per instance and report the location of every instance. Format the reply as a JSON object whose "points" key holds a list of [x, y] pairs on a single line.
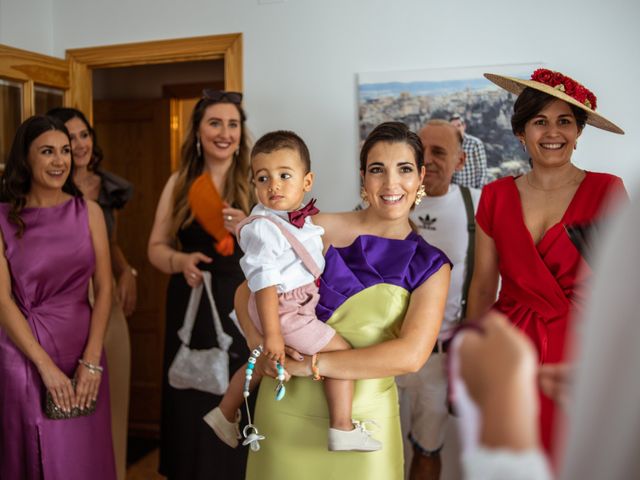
{"points": [[363, 195], [420, 194]]}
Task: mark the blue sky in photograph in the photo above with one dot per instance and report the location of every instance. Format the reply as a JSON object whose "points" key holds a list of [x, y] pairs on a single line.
{"points": [[435, 81], [420, 88]]}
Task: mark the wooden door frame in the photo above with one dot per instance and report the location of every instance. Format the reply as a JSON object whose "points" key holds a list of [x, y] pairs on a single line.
{"points": [[82, 61]]}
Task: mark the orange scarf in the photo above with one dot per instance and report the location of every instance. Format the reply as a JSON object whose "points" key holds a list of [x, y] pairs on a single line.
{"points": [[206, 205]]}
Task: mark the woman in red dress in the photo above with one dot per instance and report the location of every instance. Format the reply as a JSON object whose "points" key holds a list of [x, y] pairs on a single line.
{"points": [[523, 221]]}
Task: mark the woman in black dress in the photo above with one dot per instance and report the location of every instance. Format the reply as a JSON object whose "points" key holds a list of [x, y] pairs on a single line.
{"points": [[200, 206]]}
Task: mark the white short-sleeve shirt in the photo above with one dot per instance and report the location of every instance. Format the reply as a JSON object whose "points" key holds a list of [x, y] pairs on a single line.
{"points": [[269, 258], [442, 221]]}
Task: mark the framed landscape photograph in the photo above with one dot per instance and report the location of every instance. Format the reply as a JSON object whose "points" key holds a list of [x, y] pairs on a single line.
{"points": [[415, 96]]}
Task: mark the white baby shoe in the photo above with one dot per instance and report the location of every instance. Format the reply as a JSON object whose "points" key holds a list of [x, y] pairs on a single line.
{"points": [[228, 432], [357, 440]]}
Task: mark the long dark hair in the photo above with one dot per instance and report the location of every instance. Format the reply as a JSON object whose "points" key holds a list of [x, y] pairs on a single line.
{"points": [[237, 191], [392, 132], [16, 179], [65, 114]]}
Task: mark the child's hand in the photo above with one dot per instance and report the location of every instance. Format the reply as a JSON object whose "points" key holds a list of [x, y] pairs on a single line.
{"points": [[273, 347]]}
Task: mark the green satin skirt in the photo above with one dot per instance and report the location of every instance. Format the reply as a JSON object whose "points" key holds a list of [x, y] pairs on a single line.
{"points": [[296, 428]]}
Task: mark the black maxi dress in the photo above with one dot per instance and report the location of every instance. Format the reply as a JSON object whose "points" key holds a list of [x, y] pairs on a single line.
{"points": [[189, 450]]}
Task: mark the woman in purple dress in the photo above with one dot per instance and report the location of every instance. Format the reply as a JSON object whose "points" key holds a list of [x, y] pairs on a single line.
{"points": [[52, 243]]}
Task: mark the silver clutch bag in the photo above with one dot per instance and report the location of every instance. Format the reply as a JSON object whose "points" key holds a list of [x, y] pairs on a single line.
{"points": [[206, 370]]}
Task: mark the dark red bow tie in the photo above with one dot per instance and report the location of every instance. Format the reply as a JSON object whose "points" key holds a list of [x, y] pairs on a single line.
{"points": [[297, 216]]}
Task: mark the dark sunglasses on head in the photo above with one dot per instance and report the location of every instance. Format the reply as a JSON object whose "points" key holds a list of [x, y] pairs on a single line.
{"points": [[220, 96]]}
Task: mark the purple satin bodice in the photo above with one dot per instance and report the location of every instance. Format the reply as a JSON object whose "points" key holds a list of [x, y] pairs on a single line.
{"points": [[371, 260], [50, 266]]}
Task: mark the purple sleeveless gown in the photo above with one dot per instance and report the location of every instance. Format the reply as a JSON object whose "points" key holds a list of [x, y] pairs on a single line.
{"points": [[50, 267]]}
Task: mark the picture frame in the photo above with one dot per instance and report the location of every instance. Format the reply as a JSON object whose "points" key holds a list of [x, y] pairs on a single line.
{"points": [[415, 96]]}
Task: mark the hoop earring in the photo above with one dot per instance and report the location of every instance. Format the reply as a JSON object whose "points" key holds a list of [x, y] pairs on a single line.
{"points": [[198, 147], [420, 194]]}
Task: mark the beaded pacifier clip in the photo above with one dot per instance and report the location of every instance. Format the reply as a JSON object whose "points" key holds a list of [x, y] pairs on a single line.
{"points": [[250, 432]]}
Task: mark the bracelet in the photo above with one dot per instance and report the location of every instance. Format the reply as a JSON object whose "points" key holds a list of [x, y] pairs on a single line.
{"points": [[315, 370], [90, 366]]}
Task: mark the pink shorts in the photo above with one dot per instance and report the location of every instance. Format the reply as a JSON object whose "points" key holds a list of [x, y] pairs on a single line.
{"points": [[298, 323]]}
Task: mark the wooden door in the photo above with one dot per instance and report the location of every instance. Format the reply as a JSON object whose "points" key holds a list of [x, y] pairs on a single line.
{"points": [[135, 138]]}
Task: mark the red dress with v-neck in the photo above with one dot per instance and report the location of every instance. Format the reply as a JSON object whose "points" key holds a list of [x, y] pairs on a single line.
{"points": [[541, 283]]}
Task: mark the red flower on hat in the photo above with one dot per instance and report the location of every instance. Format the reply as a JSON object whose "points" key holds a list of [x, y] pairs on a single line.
{"points": [[567, 85], [580, 94], [543, 75]]}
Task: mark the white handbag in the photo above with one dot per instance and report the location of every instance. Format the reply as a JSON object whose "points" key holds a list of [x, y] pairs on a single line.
{"points": [[206, 370]]}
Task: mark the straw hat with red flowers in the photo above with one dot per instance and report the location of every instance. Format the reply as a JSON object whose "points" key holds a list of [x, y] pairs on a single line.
{"points": [[560, 86]]}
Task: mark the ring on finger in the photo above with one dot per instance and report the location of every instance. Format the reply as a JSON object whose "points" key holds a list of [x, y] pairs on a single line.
{"points": [[229, 218]]}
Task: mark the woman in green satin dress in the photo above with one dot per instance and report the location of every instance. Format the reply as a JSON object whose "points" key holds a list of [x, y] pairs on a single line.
{"points": [[384, 290]]}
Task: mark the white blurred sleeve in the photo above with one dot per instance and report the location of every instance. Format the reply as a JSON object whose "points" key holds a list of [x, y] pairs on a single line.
{"points": [[604, 418]]}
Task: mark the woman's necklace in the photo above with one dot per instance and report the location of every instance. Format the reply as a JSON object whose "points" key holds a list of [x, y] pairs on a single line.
{"points": [[570, 182]]}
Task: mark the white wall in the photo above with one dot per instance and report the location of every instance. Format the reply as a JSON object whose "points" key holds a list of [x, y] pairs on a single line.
{"points": [[27, 24], [302, 56]]}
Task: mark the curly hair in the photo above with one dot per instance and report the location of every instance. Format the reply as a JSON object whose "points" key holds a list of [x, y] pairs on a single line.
{"points": [[16, 179]]}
